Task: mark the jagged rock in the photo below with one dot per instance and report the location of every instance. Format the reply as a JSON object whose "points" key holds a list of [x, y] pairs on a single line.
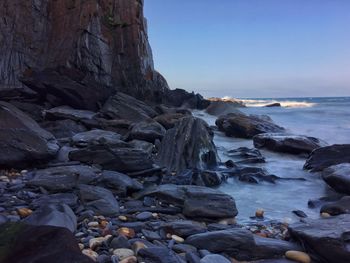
{"points": [[122, 106], [245, 155], [325, 239], [64, 178], [338, 177], [22, 140], [22, 243], [196, 201], [184, 99], [99, 200], [84, 139], [240, 244], [114, 158], [188, 145], [287, 143], [168, 120], [53, 215], [63, 128], [220, 107], [338, 207], [246, 126], [324, 157], [147, 131], [119, 183], [158, 255], [184, 228], [66, 112]]}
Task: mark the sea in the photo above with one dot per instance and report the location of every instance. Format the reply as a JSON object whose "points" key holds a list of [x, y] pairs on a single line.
{"points": [[327, 118]]}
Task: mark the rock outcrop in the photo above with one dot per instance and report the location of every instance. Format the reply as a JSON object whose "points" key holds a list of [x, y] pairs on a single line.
{"points": [[338, 177]]}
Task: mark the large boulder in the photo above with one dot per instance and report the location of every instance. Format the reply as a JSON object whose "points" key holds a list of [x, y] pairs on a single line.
{"points": [[53, 215], [184, 228], [114, 158], [168, 120], [324, 157], [147, 131], [188, 145], [99, 199], [287, 143], [20, 243], [220, 107], [195, 201], [240, 244], [241, 125], [122, 106], [326, 239], [63, 128], [338, 177], [22, 141], [97, 136], [341, 206]]}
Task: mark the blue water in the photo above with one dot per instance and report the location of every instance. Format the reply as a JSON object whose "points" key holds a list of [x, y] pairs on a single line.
{"points": [[324, 118]]}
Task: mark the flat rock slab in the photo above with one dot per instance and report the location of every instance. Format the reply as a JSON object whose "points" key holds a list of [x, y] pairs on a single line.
{"points": [[326, 239], [147, 131], [97, 136], [287, 143], [66, 112], [324, 157], [338, 177]]}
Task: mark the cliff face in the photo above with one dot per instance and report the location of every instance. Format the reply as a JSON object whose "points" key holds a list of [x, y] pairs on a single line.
{"points": [[103, 40]]}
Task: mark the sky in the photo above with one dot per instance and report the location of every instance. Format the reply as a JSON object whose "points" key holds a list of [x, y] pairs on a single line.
{"points": [[252, 48]]}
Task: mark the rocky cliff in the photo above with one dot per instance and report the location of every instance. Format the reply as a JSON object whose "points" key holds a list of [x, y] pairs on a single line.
{"points": [[100, 41]]}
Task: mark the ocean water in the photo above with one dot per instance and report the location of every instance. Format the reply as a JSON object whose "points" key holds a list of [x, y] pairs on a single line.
{"points": [[324, 118]]}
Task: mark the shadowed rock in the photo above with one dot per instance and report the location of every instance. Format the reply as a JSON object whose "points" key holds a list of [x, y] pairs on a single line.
{"points": [[220, 107], [147, 131], [338, 207], [65, 112], [84, 139], [338, 177]]}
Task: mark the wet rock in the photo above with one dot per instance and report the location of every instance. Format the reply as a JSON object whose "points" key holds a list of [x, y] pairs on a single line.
{"points": [[184, 228], [122, 106], [253, 175], [29, 244], [53, 215], [22, 141], [188, 145], [151, 235], [325, 239], [144, 216], [300, 213], [287, 143], [123, 253], [245, 155], [211, 178], [99, 200], [119, 183], [341, 206], [298, 256], [114, 158], [84, 139], [221, 107], [147, 131], [64, 178], [168, 120], [324, 157], [69, 199], [338, 177], [158, 255], [63, 128], [66, 112], [120, 242], [214, 258], [276, 104], [246, 126]]}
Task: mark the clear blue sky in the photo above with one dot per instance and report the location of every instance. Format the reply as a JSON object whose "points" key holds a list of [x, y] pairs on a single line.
{"points": [[252, 48]]}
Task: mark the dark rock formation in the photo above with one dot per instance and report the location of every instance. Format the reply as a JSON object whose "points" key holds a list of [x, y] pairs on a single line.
{"points": [[65, 112], [338, 177], [327, 239], [168, 120], [63, 128], [327, 156], [244, 155], [246, 126], [95, 137], [147, 131], [276, 104], [31, 244], [22, 141], [338, 207], [220, 107], [287, 143], [188, 145]]}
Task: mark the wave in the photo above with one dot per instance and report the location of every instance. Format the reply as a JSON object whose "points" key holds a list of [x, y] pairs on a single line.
{"points": [[283, 103]]}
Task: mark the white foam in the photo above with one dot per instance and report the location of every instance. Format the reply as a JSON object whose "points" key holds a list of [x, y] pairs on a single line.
{"points": [[286, 104]]}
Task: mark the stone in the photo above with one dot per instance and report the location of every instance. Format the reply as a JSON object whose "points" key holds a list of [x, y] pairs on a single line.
{"points": [[59, 215], [127, 232], [137, 246], [259, 213], [22, 243], [123, 253], [168, 120], [63, 128], [90, 253], [177, 239], [120, 242], [158, 255], [275, 104], [325, 239], [99, 199], [214, 258], [325, 157], [98, 241], [66, 112], [184, 228], [69, 199], [148, 131], [131, 259], [341, 206], [114, 158], [64, 178], [221, 107], [97, 136], [22, 141], [144, 216], [211, 178], [287, 143], [183, 99], [143, 145], [24, 212], [246, 126], [188, 145], [244, 155], [298, 256], [338, 177]]}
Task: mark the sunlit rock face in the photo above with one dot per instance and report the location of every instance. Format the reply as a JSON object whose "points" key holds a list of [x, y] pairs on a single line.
{"points": [[105, 40]]}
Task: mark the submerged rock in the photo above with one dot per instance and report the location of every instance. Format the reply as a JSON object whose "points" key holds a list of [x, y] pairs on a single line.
{"points": [[246, 126], [326, 239], [23, 142], [287, 143], [324, 157], [188, 145], [338, 177]]}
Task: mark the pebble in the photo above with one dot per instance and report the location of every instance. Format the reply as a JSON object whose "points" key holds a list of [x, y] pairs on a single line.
{"points": [[96, 242], [143, 216], [125, 231], [81, 246], [123, 218], [137, 246], [259, 213], [24, 212], [298, 256], [93, 224], [325, 215], [131, 259], [90, 253], [119, 242], [177, 239], [123, 253]]}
